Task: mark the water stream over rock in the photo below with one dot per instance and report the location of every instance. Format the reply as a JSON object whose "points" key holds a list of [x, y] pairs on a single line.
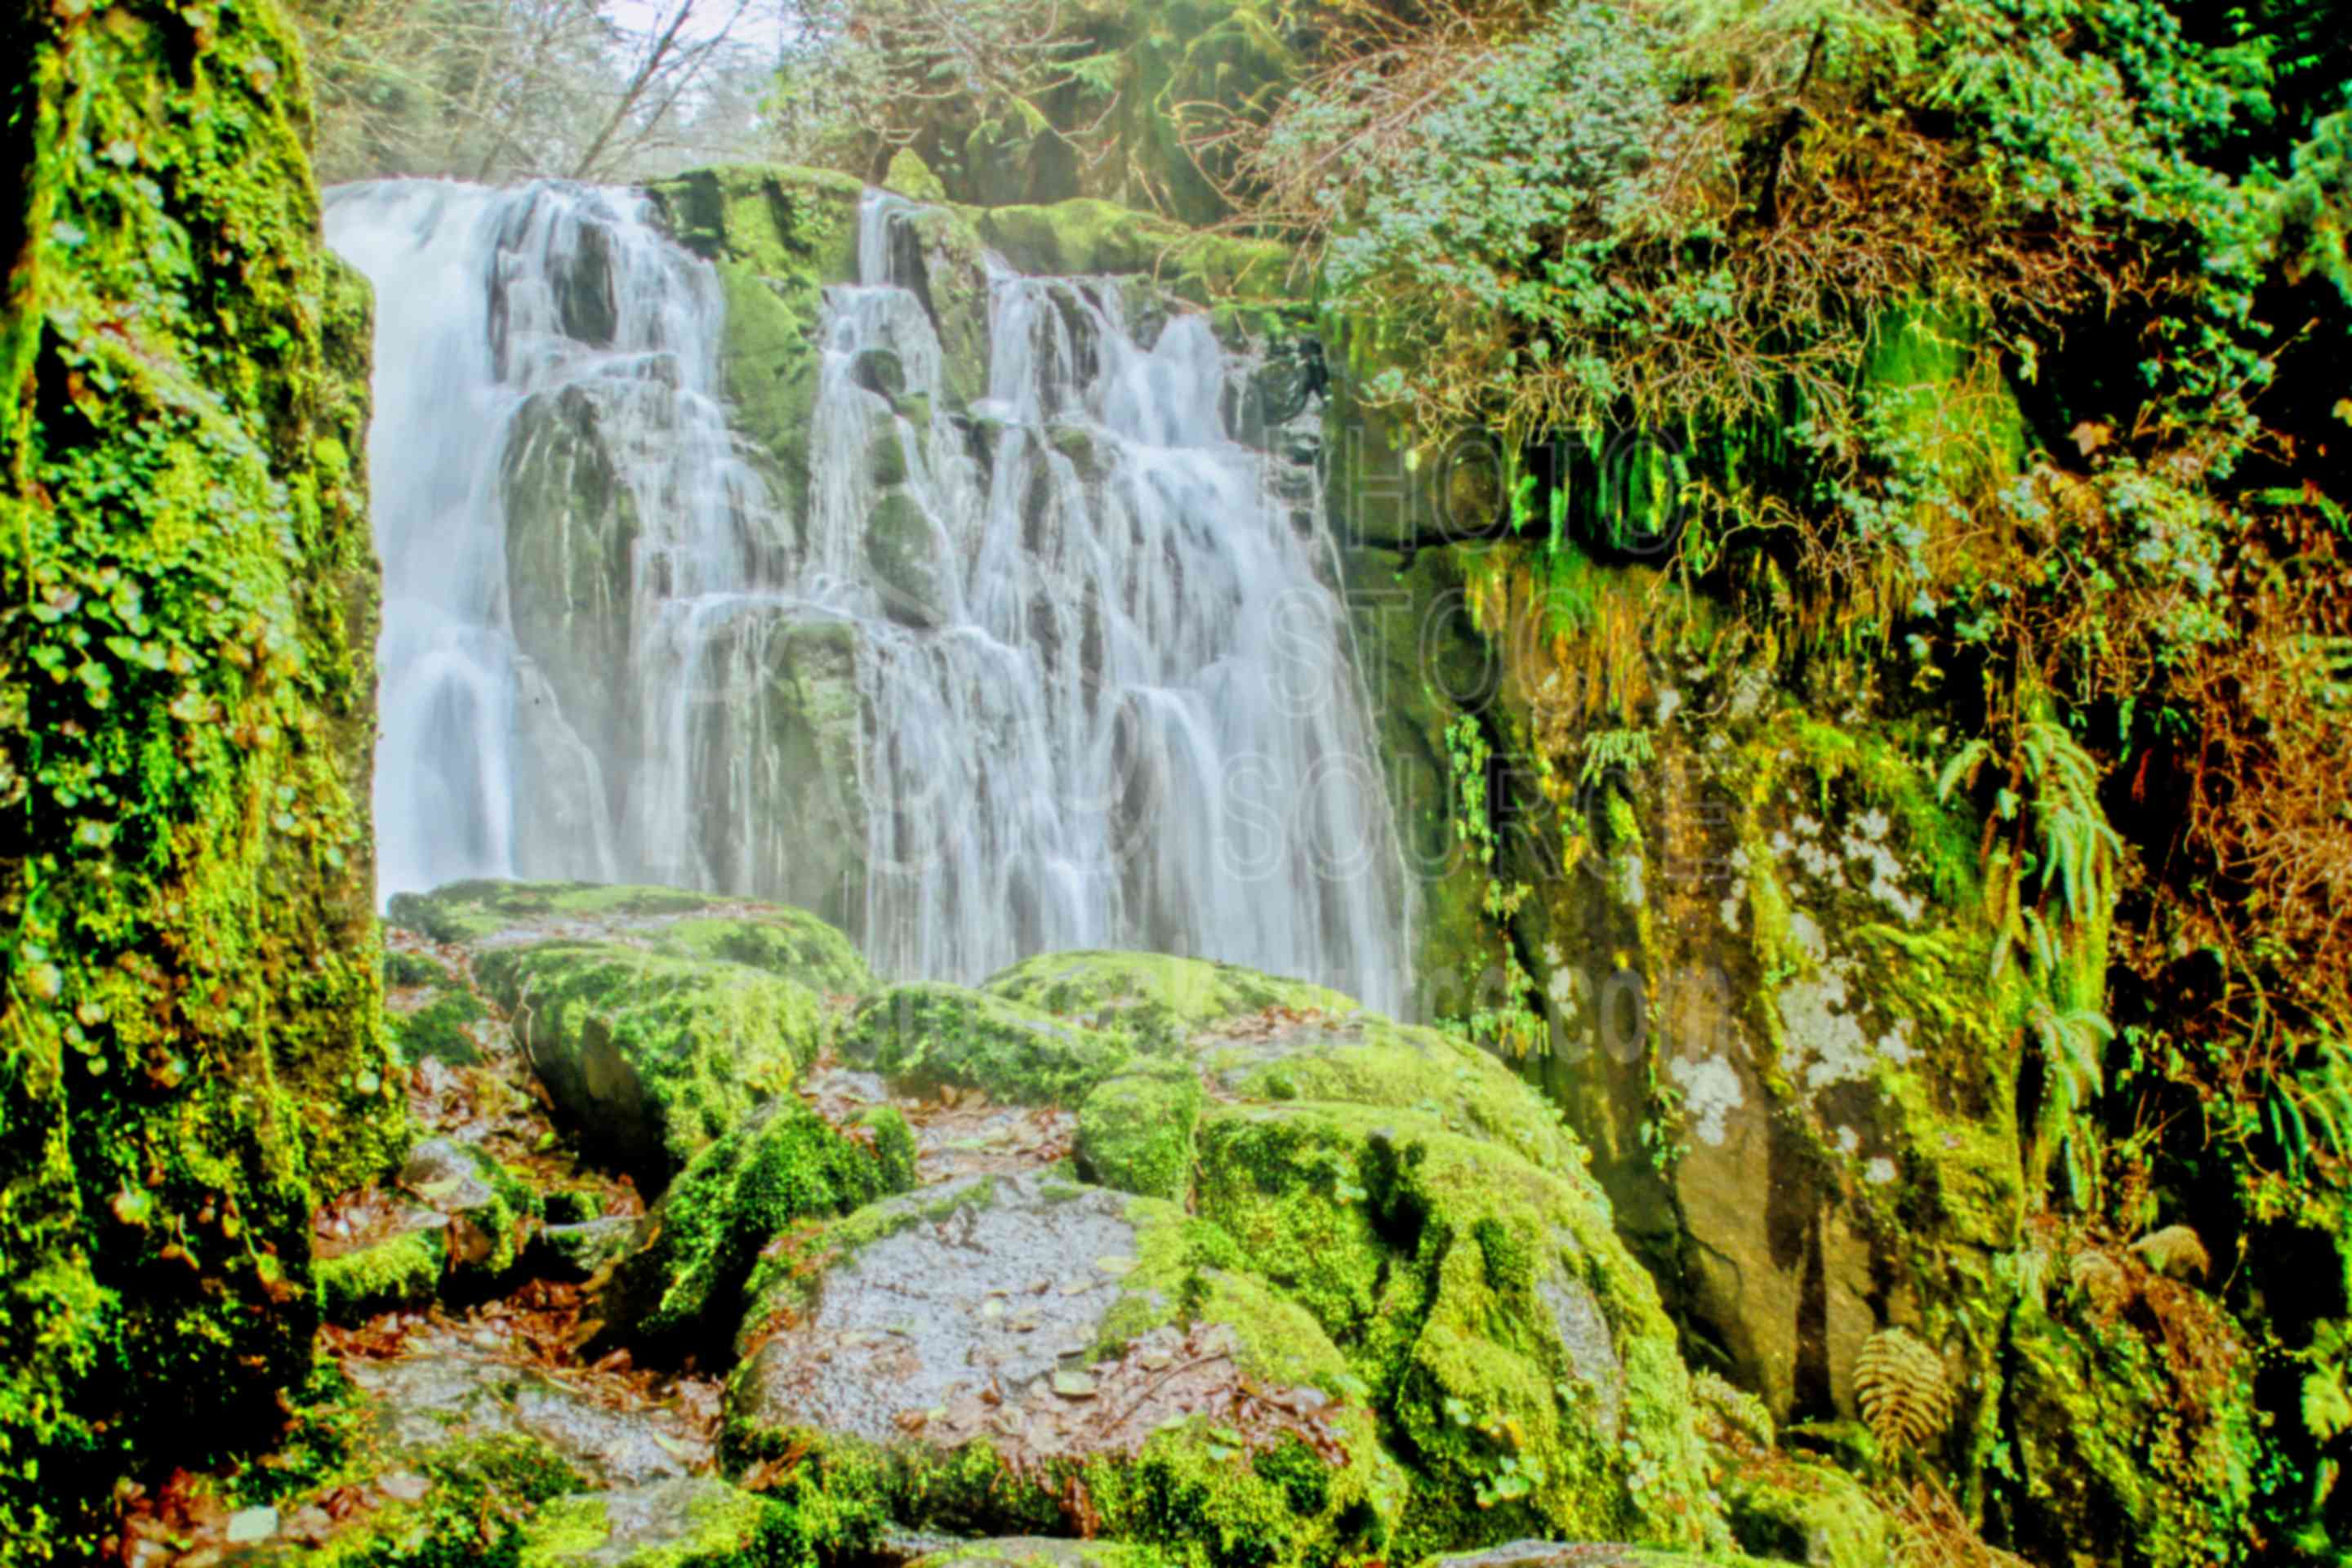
{"points": [[1056, 670]]}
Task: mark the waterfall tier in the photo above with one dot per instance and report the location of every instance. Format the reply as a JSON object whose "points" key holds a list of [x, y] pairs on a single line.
{"points": [[1058, 666]]}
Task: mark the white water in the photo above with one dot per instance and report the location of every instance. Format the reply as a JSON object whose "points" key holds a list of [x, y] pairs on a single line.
{"points": [[1109, 707]]}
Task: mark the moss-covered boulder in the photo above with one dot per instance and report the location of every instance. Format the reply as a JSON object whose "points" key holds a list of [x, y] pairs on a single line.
{"points": [[927, 1037], [651, 1058], [1025, 1354], [680, 1288], [1136, 1131], [687, 1523], [189, 990], [2132, 1402], [1785, 1509], [1153, 1001], [778, 938], [1529, 1378]]}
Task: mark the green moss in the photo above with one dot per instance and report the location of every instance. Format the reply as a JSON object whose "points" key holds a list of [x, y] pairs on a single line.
{"points": [[2137, 1430], [780, 940], [777, 938], [1528, 1375], [404, 970], [910, 176], [405, 1271], [481, 1490], [1369, 1060], [775, 218], [1135, 1133], [437, 1031], [683, 1289], [190, 993], [653, 1057], [691, 1522], [1155, 1000], [1789, 1510], [928, 1035]]}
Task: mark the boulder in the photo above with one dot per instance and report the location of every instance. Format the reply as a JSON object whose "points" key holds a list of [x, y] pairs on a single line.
{"points": [[927, 1037], [1529, 1375], [1043, 1551], [1152, 1000], [650, 1058], [679, 1288], [780, 940], [1020, 1353], [1135, 1132]]}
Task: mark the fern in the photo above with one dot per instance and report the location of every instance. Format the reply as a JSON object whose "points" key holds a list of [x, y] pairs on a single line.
{"points": [[1900, 1384]]}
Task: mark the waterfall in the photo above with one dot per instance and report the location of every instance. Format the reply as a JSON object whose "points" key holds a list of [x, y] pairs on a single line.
{"points": [[1064, 668]]}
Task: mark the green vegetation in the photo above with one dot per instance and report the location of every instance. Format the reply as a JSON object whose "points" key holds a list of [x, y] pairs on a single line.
{"points": [[192, 1048]]}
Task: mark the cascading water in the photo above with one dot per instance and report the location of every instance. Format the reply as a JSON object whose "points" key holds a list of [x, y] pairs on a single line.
{"points": [[1055, 670]]}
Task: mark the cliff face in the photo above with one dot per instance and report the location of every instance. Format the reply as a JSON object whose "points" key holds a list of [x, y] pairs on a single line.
{"points": [[191, 1041]]}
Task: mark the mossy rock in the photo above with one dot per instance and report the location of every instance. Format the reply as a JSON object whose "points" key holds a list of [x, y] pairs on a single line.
{"points": [[440, 1030], [1790, 1511], [403, 1271], [1152, 1000], [693, 1521], [911, 177], [777, 938], [191, 1004], [1136, 1132], [576, 1250], [777, 219], [1558, 1555], [651, 1058], [1089, 237], [1045, 1552], [1529, 1375], [927, 1037], [2135, 1428], [966, 1358], [464, 1240], [680, 1287], [1366, 1059]]}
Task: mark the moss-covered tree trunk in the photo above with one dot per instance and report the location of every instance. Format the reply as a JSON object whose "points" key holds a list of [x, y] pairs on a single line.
{"points": [[191, 1045]]}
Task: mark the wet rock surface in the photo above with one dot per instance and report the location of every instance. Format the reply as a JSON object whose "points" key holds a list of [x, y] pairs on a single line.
{"points": [[1005, 1292], [1214, 1267], [459, 1382]]}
